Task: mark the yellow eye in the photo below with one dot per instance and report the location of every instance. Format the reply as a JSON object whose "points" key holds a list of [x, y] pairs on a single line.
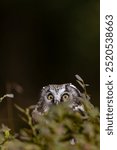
{"points": [[65, 97], [50, 97]]}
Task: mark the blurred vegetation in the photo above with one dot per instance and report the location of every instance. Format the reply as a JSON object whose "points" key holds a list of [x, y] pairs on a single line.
{"points": [[58, 129]]}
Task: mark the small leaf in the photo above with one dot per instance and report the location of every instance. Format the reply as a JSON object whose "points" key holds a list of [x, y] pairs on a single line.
{"points": [[87, 85], [6, 95], [7, 134], [20, 109], [10, 95], [5, 128], [79, 78], [81, 84], [24, 119]]}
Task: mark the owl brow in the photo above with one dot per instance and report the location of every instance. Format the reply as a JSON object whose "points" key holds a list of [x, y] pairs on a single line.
{"points": [[77, 91], [48, 91], [66, 90]]}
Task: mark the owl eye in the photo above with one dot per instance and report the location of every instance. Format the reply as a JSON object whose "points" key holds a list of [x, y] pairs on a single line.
{"points": [[65, 97], [50, 97]]}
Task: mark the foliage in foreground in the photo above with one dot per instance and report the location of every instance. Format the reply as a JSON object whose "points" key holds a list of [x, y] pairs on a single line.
{"points": [[59, 129]]}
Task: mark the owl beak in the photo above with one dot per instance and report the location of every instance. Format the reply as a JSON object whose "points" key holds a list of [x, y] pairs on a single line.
{"points": [[56, 102]]}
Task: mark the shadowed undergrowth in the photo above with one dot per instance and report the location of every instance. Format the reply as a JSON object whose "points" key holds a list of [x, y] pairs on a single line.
{"points": [[58, 129]]}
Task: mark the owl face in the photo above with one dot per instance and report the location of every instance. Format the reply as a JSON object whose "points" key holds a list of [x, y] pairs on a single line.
{"points": [[55, 94]]}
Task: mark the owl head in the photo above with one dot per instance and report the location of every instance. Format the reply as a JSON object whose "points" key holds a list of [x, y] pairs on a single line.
{"points": [[54, 94]]}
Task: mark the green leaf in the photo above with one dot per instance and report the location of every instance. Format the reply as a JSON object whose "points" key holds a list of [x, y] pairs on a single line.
{"points": [[20, 109], [79, 78]]}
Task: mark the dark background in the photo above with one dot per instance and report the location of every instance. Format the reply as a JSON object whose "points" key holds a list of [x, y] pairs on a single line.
{"points": [[43, 42]]}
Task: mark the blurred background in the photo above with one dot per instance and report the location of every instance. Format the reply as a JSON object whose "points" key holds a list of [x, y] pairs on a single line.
{"points": [[44, 42]]}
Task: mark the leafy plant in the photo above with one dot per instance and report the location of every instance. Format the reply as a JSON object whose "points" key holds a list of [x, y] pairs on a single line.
{"points": [[58, 129]]}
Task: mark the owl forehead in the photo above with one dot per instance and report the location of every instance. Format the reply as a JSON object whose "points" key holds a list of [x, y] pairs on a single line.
{"points": [[57, 88]]}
